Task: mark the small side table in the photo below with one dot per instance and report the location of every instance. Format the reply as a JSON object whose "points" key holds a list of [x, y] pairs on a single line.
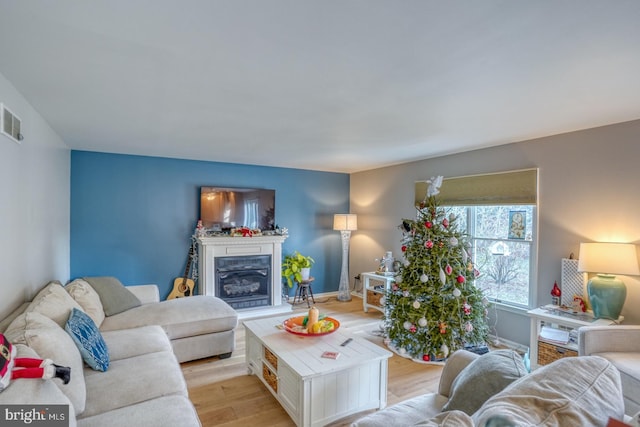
{"points": [[303, 292], [554, 317], [371, 293]]}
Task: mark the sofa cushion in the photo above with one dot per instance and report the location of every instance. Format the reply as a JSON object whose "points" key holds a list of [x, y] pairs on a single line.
{"points": [[406, 413], [133, 342], [50, 341], [166, 411], [53, 302], [87, 338], [88, 298], [484, 377], [39, 392], [115, 297], [449, 419], [573, 391], [133, 380], [180, 317]]}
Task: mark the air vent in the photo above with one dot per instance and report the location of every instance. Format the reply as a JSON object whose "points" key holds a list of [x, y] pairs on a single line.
{"points": [[10, 124]]}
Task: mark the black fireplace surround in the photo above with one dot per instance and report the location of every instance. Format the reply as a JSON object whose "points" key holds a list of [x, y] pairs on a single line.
{"points": [[244, 281]]}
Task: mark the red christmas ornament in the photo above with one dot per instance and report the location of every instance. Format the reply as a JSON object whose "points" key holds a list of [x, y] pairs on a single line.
{"points": [[556, 292], [428, 244], [428, 224], [413, 329], [448, 269], [445, 223], [460, 279], [404, 248], [467, 309], [426, 357]]}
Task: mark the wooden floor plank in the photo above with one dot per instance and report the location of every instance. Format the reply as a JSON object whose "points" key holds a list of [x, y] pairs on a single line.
{"points": [[225, 395]]}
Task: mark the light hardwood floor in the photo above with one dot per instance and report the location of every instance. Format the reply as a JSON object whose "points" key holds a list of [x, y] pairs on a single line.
{"points": [[225, 395]]}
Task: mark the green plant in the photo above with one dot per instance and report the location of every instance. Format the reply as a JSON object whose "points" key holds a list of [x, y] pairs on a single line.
{"points": [[292, 266]]}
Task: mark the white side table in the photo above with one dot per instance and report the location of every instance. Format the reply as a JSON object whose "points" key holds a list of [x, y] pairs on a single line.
{"points": [[373, 288], [554, 317]]}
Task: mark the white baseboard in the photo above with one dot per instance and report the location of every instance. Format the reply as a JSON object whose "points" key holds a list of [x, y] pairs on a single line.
{"points": [[503, 342]]}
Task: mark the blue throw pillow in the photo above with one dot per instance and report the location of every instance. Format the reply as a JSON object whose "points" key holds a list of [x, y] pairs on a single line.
{"points": [[87, 337]]}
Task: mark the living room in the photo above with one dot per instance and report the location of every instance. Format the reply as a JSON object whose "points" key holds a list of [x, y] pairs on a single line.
{"points": [[70, 212]]}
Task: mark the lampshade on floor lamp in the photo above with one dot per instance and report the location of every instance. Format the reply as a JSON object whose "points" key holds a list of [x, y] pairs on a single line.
{"points": [[345, 223], [606, 292]]}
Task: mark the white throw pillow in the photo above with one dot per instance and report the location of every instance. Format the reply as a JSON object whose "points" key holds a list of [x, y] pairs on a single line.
{"points": [[50, 341], [54, 302], [88, 298]]}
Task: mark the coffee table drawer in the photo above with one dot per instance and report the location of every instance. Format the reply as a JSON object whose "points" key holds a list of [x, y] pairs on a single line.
{"points": [[270, 357], [270, 377]]}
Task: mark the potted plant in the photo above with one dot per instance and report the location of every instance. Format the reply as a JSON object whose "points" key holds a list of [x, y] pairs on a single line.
{"points": [[295, 267]]}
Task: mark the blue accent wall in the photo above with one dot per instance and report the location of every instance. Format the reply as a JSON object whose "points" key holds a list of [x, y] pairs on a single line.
{"points": [[132, 217]]}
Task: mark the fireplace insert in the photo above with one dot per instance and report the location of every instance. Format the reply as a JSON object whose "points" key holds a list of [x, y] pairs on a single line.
{"points": [[244, 281]]}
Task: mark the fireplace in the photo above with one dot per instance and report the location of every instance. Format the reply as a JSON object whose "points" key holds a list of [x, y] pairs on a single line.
{"points": [[249, 268], [244, 281]]}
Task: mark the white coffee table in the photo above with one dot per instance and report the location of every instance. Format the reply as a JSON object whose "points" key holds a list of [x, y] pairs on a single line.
{"points": [[315, 390]]}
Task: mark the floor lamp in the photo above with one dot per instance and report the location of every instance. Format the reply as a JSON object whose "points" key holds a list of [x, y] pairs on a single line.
{"points": [[345, 223]]}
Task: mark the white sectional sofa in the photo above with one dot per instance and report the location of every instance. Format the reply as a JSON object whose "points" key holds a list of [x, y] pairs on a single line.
{"points": [[143, 384]]}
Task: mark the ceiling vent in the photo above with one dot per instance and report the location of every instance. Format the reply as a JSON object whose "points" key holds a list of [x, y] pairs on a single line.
{"points": [[11, 124]]}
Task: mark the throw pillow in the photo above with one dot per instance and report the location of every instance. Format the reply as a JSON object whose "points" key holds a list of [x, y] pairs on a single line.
{"points": [[87, 337], [88, 298], [50, 341], [115, 297], [573, 391], [53, 302], [484, 377]]}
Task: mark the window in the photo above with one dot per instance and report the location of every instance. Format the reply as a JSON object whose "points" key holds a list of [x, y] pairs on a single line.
{"points": [[502, 239], [499, 213]]}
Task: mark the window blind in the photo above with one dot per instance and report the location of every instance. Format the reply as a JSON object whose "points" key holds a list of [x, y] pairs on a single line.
{"points": [[503, 188]]}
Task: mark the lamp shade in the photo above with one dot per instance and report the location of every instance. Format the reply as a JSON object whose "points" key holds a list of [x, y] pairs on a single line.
{"points": [[611, 258], [345, 222]]}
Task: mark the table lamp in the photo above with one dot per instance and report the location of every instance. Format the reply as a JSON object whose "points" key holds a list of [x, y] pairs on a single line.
{"points": [[606, 292], [345, 223]]}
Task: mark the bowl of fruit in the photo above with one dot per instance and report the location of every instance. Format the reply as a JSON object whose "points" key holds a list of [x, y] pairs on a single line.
{"points": [[312, 325]]}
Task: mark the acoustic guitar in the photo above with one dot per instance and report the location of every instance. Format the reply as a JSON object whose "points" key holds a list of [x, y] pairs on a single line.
{"points": [[183, 286]]}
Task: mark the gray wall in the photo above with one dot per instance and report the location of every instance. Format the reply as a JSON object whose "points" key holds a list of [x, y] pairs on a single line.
{"points": [[589, 184], [34, 205]]}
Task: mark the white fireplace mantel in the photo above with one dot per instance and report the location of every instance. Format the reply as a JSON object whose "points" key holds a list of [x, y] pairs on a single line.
{"points": [[211, 247]]}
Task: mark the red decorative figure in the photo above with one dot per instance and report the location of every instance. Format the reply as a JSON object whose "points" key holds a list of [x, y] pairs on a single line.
{"points": [[555, 294], [578, 304], [12, 368]]}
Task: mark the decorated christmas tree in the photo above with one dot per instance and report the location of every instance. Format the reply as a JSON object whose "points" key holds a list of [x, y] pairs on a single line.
{"points": [[434, 308]]}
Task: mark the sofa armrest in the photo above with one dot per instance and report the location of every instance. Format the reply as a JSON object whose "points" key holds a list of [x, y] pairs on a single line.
{"points": [[455, 364], [600, 339], [146, 293]]}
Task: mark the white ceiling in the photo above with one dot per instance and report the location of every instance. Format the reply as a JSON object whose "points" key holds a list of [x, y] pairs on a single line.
{"points": [[325, 85]]}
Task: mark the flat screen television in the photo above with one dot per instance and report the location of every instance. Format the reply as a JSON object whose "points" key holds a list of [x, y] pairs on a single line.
{"points": [[222, 209]]}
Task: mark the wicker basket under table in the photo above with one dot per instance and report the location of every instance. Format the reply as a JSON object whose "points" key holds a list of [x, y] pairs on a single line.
{"points": [[548, 353]]}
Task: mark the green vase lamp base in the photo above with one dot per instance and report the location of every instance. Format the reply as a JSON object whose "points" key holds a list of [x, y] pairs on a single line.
{"points": [[606, 295]]}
